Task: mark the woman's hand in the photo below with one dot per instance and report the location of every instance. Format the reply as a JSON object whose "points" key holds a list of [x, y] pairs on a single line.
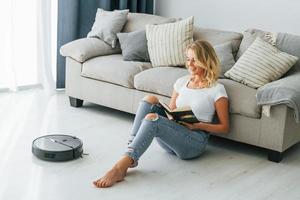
{"points": [[190, 126], [221, 106]]}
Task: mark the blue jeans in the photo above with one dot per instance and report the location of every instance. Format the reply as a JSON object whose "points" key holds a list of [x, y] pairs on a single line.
{"points": [[171, 136]]}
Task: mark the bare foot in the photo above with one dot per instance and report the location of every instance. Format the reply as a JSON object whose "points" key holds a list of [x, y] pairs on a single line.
{"points": [[116, 174], [111, 177]]}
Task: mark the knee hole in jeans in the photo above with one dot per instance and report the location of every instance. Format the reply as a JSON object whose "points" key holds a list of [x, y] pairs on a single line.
{"points": [[151, 116], [151, 99]]}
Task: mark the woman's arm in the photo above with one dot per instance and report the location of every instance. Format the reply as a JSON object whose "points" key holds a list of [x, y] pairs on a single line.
{"points": [[172, 103], [221, 106]]}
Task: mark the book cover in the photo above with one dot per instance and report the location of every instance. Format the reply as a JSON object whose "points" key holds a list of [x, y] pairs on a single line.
{"points": [[184, 114]]}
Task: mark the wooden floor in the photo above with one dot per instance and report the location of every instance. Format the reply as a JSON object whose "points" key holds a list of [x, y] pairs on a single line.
{"points": [[227, 170]]}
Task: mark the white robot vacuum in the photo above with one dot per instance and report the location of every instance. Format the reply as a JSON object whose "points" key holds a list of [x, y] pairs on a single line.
{"points": [[57, 147]]}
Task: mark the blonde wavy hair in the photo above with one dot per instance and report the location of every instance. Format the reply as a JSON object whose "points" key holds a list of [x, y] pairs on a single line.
{"points": [[207, 59]]}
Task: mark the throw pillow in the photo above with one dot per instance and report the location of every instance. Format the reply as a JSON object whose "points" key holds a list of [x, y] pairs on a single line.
{"points": [[167, 42], [261, 64], [134, 46], [250, 35], [290, 44], [86, 48], [107, 24], [224, 53], [216, 37]]}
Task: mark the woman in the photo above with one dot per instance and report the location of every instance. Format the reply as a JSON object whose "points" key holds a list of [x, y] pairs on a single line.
{"points": [[201, 91]]}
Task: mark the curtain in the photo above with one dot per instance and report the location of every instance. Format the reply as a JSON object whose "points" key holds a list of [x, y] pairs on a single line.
{"points": [[47, 21], [76, 17], [25, 38]]}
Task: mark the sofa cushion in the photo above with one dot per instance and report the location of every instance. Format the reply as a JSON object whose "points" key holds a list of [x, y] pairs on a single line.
{"points": [[134, 46], [290, 44], [283, 41], [160, 80], [224, 53], [242, 99], [113, 69], [249, 37], [167, 42], [107, 24], [138, 21], [260, 64], [86, 48], [216, 37]]}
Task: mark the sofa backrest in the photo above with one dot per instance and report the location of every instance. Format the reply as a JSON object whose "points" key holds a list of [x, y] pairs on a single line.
{"points": [[138, 21], [218, 37]]}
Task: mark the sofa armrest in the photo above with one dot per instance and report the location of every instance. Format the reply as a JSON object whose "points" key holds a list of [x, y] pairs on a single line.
{"points": [[283, 91], [85, 48]]}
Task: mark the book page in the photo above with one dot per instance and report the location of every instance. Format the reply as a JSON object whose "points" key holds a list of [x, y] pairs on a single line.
{"points": [[179, 109], [185, 108]]}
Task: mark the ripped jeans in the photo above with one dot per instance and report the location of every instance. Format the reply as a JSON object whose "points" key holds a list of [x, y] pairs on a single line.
{"points": [[171, 136]]}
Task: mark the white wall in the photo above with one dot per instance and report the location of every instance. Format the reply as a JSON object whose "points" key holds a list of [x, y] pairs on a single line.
{"points": [[236, 15]]}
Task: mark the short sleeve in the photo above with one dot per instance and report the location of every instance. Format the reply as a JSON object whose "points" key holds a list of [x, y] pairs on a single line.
{"points": [[221, 92], [180, 83]]}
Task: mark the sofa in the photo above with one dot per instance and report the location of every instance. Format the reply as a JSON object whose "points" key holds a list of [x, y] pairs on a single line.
{"points": [[97, 73]]}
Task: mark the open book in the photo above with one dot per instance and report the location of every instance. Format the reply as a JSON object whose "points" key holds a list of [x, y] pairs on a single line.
{"points": [[181, 114]]}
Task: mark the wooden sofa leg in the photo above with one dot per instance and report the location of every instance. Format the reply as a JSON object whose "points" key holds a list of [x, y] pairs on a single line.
{"points": [[275, 156], [75, 102]]}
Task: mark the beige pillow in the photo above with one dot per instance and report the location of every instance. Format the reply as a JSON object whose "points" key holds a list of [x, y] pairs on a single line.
{"points": [[86, 48], [107, 24], [260, 64], [167, 42]]}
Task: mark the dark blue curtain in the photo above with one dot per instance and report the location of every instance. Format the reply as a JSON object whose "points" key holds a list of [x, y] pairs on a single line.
{"points": [[76, 18]]}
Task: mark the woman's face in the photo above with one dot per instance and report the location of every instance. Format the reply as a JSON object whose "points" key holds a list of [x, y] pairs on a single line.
{"points": [[192, 67]]}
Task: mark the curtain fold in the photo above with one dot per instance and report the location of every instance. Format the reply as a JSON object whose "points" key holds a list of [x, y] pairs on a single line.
{"points": [[76, 17], [45, 46], [67, 30]]}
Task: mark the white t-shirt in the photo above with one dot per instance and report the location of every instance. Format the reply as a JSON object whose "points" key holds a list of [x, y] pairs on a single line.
{"points": [[201, 101]]}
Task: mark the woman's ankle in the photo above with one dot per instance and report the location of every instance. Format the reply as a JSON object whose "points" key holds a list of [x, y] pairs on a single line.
{"points": [[124, 163]]}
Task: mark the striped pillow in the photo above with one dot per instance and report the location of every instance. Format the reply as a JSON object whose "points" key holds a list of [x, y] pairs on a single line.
{"points": [[167, 42], [261, 64]]}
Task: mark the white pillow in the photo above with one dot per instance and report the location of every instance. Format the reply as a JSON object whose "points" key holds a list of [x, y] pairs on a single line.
{"points": [[107, 24], [260, 64], [167, 42]]}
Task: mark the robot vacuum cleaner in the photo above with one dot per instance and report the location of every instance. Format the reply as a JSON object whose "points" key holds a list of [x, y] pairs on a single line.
{"points": [[57, 147]]}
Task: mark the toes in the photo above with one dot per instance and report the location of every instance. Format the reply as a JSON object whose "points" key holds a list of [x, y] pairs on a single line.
{"points": [[108, 184], [102, 184], [95, 183], [98, 183], [109, 179]]}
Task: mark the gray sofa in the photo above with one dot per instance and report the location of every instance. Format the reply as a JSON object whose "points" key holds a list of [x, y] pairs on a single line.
{"points": [[97, 73]]}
